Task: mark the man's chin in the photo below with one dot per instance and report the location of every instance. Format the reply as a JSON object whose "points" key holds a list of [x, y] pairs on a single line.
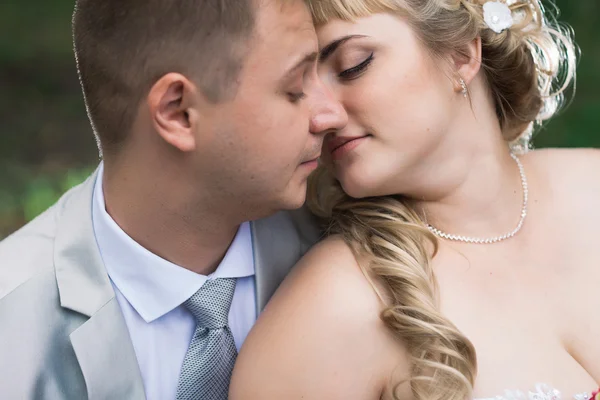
{"points": [[294, 204], [288, 202], [294, 198]]}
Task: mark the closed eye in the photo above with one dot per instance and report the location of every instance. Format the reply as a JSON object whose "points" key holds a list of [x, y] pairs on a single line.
{"points": [[356, 71]]}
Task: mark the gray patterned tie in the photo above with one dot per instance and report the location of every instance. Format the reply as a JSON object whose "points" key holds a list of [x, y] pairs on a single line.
{"points": [[208, 363]]}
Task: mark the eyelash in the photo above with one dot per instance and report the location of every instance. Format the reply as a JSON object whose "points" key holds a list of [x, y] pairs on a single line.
{"points": [[356, 71]]}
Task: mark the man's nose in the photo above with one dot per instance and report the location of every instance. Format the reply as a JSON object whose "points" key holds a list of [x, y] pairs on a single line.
{"points": [[327, 114]]}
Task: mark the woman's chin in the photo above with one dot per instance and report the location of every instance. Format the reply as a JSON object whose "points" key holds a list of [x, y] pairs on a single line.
{"points": [[356, 189]]}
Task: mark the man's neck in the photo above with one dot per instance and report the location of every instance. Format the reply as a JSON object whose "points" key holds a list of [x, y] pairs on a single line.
{"points": [[165, 222]]}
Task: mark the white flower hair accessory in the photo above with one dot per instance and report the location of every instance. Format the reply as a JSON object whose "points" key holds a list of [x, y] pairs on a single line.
{"points": [[497, 16]]}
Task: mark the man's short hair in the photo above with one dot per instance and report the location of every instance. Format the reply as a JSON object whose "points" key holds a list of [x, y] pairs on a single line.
{"points": [[123, 47]]}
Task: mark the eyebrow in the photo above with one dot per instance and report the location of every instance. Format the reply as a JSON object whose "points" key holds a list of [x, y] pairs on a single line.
{"points": [[308, 58], [333, 46]]}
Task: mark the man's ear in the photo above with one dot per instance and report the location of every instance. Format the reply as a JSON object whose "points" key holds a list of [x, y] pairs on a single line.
{"points": [[171, 103], [466, 63]]}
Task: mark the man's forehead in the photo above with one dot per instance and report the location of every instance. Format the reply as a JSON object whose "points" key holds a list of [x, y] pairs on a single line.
{"points": [[289, 17], [285, 37]]}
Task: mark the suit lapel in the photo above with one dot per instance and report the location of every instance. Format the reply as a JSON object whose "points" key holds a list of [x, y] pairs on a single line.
{"points": [[102, 344], [278, 243], [82, 280], [106, 356]]}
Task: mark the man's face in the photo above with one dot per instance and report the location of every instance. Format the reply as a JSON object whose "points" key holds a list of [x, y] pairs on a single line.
{"points": [[266, 140]]}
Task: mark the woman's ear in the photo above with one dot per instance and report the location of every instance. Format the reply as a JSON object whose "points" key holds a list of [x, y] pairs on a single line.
{"points": [[170, 102], [466, 64]]}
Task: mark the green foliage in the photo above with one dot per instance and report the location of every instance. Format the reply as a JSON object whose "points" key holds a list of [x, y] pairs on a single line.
{"points": [[44, 190], [33, 192]]}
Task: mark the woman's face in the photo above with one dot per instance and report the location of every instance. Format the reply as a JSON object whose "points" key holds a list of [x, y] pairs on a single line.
{"points": [[399, 101]]}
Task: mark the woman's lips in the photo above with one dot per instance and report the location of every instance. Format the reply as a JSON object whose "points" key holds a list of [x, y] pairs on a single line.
{"points": [[342, 145]]}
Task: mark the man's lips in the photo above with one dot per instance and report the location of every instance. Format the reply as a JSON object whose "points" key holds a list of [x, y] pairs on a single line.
{"points": [[312, 159]]}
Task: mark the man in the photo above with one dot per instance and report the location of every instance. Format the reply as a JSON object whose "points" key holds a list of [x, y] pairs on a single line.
{"points": [[144, 281]]}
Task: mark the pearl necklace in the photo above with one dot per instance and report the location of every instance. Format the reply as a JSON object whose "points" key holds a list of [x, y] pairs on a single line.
{"points": [[466, 239]]}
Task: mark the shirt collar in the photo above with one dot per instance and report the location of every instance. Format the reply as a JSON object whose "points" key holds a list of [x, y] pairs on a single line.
{"points": [[151, 284]]}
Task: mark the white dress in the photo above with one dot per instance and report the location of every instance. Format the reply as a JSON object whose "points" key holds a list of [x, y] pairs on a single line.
{"points": [[541, 392]]}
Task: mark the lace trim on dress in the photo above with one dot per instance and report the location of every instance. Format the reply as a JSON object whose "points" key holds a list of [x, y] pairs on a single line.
{"points": [[541, 392]]}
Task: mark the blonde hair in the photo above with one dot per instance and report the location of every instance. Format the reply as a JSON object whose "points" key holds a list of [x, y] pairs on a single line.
{"points": [[528, 69]]}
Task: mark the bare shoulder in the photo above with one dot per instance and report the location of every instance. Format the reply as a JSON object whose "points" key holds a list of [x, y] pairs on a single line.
{"points": [[332, 267], [326, 282], [572, 179], [569, 166], [320, 337]]}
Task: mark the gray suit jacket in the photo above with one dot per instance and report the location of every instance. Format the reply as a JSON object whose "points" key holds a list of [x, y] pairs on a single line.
{"points": [[62, 333]]}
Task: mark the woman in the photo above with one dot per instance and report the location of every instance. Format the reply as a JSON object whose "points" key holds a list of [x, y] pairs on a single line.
{"points": [[446, 237]]}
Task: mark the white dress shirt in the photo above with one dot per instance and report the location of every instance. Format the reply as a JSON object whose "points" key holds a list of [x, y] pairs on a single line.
{"points": [[150, 291]]}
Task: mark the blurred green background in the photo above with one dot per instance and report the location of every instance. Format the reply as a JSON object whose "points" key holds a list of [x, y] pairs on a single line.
{"points": [[46, 143]]}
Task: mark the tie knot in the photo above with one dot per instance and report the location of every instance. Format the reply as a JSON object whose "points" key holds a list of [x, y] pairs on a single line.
{"points": [[210, 304]]}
